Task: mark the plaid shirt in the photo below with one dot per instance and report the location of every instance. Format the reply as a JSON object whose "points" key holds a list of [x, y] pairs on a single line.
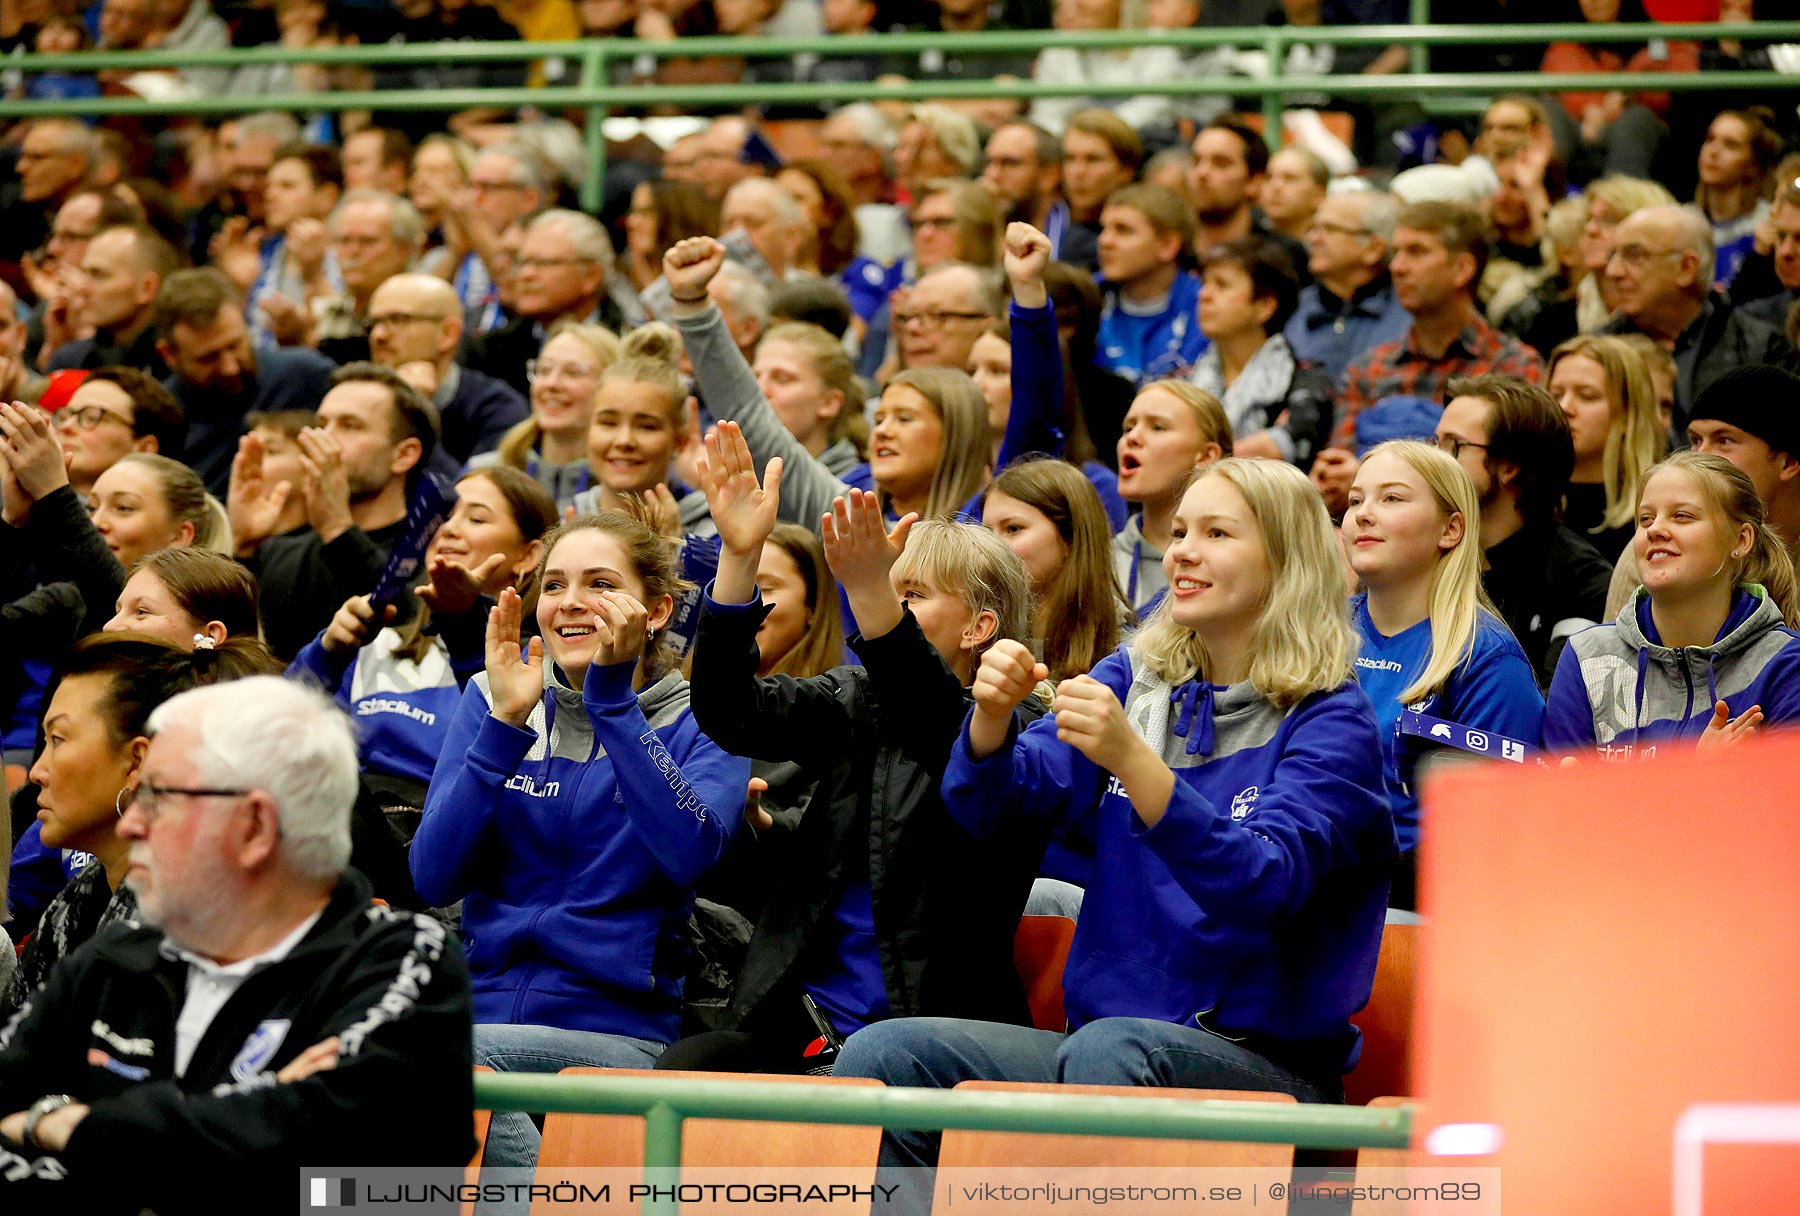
{"points": [[1396, 369]]}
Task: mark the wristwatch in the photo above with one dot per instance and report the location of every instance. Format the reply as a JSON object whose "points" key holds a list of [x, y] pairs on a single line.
{"points": [[34, 1115]]}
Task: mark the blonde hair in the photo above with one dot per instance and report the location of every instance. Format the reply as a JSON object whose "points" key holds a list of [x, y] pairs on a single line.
{"points": [[1302, 642], [651, 355], [974, 565], [1635, 440], [831, 363], [516, 446], [1456, 598], [963, 444], [188, 502], [1729, 490], [1624, 195], [1209, 412]]}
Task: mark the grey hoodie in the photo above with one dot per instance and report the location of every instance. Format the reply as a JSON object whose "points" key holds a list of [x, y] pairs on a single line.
{"points": [[1138, 563], [1620, 692]]}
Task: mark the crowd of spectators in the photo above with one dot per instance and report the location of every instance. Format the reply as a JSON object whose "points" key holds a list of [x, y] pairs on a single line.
{"points": [[872, 524]]}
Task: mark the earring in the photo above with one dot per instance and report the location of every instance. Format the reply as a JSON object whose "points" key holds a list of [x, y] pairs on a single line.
{"points": [[119, 802]]}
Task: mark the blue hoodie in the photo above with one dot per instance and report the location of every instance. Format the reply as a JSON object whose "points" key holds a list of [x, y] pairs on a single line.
{"points": [[1254, 907], [1146, 346], [1493, 689], [1620, 691], [575, 845], [402, 708]]}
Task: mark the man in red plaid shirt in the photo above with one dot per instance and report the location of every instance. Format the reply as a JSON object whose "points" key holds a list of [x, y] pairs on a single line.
{"points": [[1440, 250]]}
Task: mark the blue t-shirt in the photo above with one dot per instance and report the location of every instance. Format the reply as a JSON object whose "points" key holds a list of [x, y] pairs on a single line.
{"points": [[1492, 689]]}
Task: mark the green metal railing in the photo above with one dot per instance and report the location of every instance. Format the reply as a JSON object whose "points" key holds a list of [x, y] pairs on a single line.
{"points": [[666, 1103], [594, 95]]}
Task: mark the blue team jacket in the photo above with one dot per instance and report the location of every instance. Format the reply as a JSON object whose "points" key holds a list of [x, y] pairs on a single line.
{"points": [[575, 845], [1255, 905]]}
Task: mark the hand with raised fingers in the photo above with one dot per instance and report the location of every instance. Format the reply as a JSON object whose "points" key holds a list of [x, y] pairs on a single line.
{"points": [[31, 450], [452, 588], [515, 673], [858, 546], [252, 503], [1723, 730], [743, 511], [326, 486]]}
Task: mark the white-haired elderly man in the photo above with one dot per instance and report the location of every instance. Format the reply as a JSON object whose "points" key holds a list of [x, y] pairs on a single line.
{"points": [[265, 1017], [564, 271]]}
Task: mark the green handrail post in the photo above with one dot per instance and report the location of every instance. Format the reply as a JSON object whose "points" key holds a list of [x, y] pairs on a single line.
{"points": [[594, 78], [1275, 47], [1418, 53], [662, 1157]]}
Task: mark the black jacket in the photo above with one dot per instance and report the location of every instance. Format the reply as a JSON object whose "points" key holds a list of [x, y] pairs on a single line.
{"points": [[946, 906], [305, 581], [1718, 339], [1547, 583], [226, 1136]]}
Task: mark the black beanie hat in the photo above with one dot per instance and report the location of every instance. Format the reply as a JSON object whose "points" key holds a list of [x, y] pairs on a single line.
{"points": [[1758, 399]]}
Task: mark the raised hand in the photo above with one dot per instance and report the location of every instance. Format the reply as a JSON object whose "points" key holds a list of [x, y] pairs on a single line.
{"points": [[1007, 675], [662, 512], [30, 448], [858, 546], [515, 674], [308, 243], [743, 511], [690, 265], [1723, 730], [1027, 254], [252, 504], [354, 624], [237, 250], [1090, 719], [452, 588], [326, 487]]}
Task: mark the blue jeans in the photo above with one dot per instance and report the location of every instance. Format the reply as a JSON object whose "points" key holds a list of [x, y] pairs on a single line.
{"points": [[941, 1052], [512, 1141]]}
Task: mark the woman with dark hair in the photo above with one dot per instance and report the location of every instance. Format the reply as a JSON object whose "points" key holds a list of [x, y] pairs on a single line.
{"points": [[826, 198], [95, 737], [663, 212], [1737, 161], [1280, 407]]}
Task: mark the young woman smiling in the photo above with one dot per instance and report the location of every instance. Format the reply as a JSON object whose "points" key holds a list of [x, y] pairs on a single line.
{"points": [[1705, 650], [1429, 639], [640, 425], [928, 453], [574, 806], [1609, 398], [402, 682], [552, 444], [1236, 901]]}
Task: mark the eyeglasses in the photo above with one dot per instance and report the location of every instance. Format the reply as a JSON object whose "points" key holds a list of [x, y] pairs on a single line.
{"points": [[403, 318], [1334, 229], [149, 797], [479, 186], [1636, 255], [537, 369], [934, 221], [1454, 446], [547, 263], [933, 319], [87, 418]]}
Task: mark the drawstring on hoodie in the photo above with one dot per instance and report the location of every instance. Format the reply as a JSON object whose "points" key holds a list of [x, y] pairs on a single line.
{"points": [[1193, 702]]}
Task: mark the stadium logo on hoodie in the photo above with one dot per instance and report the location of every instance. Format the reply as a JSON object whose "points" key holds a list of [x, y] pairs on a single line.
{"points": [[1244, 803], [525, 785]]}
